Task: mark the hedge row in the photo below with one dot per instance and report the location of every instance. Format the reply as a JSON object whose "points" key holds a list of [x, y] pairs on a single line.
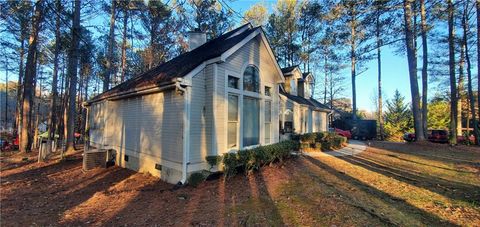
{"points": [[252, 159], [321, 140]]}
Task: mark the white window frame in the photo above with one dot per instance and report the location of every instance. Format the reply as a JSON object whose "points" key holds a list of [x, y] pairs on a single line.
{"points": [[261, 98]]}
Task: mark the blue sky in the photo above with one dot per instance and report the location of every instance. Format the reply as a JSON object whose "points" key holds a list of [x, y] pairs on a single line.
{"points": [[394, 68]]}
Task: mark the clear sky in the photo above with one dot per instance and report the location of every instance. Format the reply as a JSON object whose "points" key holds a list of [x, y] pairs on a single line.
{"points": [[394, 69]]}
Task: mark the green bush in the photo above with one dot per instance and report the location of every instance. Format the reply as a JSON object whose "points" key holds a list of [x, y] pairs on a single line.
{"points": [[213, 160], [295, 137], [196, 178], [230, 162], [253, 159], [308, 137], [320, 136]]}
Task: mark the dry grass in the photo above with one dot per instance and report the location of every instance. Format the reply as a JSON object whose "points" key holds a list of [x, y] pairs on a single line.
{"points": [[389, 184]]}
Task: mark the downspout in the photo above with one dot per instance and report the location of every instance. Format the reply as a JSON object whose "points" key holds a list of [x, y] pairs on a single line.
{"points": [[183, 86]]}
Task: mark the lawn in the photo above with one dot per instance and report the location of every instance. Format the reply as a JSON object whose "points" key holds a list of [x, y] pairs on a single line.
{"points": [[388, 184]]}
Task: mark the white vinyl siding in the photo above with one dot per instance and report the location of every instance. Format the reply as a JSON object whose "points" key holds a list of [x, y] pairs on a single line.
{"points": [[255, 53], [142, 126]]}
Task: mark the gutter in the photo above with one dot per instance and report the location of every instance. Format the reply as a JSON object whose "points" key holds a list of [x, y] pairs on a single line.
{"points": [[183, 86], [135, 92]]}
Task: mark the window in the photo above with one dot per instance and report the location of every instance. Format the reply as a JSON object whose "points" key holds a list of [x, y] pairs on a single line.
{"points": [[268, 91], [233, 82], [268, 121], [232, 120], [251, 121], [251, 79]]}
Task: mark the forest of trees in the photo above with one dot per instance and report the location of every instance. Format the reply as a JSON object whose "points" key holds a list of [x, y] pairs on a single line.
{"points": [[65, 52]]}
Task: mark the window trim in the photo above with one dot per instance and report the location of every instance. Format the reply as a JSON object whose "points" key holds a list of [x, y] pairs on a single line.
{"points": [[237, 122], [241, 94]]}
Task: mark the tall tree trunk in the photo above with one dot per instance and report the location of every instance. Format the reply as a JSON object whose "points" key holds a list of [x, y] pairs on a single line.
{"points": [[471, 97], [52, 118], [412, 69], [124, 43], [19, 113], [461, 88], [451, 63], [6, 92], [325, 59], [72, 74], [423, 16], [26, 134], [379, 67], [353, 59], [478, 55], [111, 43]]}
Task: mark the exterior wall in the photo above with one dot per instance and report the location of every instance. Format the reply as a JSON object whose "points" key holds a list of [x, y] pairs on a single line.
{"points": [[255, 53], [201, 118], [142, 128]]}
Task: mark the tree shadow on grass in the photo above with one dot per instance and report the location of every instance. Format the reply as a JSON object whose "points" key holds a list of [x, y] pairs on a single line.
{"points": [[431, 151], [400, 204], [41, 200], [454, 190], [237, 201], [426, 164]]}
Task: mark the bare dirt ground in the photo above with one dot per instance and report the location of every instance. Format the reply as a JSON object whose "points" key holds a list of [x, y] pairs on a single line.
{"points": [[389, 184]]}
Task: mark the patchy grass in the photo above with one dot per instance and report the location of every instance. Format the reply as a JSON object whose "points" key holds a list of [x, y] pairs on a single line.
{"points": [[389, 184]]}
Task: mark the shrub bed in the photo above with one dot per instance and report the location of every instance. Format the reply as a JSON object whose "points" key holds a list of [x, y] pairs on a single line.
{"points": [[252, 159], [318, 141]]}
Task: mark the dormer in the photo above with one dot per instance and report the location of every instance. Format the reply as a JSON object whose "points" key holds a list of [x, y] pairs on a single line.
{"points": [[292, 75], [307, 85]]}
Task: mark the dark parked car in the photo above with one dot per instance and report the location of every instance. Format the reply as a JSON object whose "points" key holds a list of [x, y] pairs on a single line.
{"points": [[438, 135], [409, 137], [364, 129], [435, 135]]}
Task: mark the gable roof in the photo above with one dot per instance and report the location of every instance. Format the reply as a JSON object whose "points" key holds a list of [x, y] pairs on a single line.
{"points": [[289, 69], [183, 64], [303, 101], [305, 75]]}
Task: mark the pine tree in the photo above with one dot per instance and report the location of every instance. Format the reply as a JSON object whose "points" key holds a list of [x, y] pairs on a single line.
{"points": [[398, 117]]}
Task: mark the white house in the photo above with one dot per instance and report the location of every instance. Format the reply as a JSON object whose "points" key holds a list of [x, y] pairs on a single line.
{"points": [[221, 96], [299, 112]]}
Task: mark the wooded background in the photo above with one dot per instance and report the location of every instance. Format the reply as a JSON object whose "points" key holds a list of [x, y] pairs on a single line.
{"points": [[63, 53]]}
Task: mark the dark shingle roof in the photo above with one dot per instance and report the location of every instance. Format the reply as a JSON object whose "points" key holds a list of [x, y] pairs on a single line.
{"points": [[289, 69], [182, 64], [318, 104], [304, 75], [301, 100]]}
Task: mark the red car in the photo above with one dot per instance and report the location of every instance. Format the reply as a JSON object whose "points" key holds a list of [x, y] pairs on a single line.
{"points": [[438, 135], [344, 133]]}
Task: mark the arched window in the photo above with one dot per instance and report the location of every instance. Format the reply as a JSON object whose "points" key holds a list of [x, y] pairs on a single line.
{"points": [[251, 79]]}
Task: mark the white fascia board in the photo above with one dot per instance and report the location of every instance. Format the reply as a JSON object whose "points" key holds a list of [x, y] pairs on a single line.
{"points": [[237, 46]]}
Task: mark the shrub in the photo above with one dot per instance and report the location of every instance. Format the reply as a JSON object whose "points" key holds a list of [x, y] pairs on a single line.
{"points": [[327, 145], [253, 159], [230, 162], [320, 136], [295, 137], [213, 160], [308, 137], [196, 178]]}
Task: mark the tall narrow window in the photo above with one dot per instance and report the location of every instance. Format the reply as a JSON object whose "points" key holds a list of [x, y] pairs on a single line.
{"points": [[232, 121], [251, 79], [268, 121], [251, 121]]}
